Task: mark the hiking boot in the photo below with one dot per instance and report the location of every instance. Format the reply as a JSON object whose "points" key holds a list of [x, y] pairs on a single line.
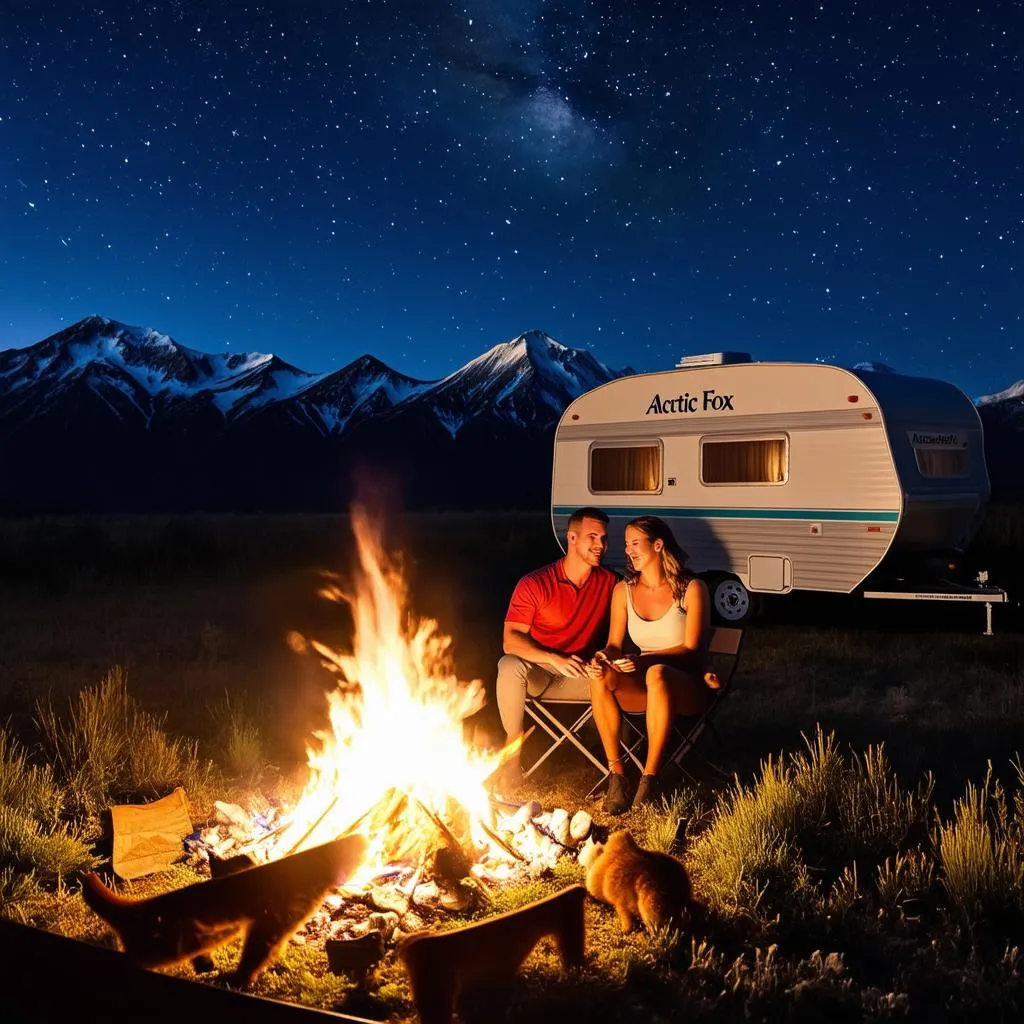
{"points": [[647, 792], [616, 801]]}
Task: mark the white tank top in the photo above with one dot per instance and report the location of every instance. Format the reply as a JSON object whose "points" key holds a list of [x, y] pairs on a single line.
{"points": [[659, 634]]}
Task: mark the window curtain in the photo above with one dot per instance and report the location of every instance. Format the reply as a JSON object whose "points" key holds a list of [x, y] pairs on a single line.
{"points": [[625, 469], [763, 461], [942, 461]]}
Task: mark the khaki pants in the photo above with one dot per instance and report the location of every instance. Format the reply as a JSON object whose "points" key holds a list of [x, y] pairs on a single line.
{"points": [[518, 677]]}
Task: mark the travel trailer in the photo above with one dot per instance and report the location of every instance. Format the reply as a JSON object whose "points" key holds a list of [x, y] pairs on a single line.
{"points": [[778, 477]]}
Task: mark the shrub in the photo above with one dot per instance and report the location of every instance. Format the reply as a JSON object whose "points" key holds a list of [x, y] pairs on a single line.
{"points": [[981, 857], [238, 742], [108, 750], [25, 787], [812, 815]]}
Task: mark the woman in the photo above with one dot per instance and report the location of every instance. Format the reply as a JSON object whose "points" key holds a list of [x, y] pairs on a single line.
{"points": [[666, 612]]}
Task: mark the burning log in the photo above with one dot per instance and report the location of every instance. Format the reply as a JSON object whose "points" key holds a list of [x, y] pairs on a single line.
{"points": [[495, 838]]}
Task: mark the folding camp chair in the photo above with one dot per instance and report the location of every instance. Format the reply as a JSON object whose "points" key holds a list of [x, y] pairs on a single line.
{"points": [[543, 714], [724, 650]]}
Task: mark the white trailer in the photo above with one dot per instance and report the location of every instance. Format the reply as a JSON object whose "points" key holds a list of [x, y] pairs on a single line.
{"points": [[780, 476]]}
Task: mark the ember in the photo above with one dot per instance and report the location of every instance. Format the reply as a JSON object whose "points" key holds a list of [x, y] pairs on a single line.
{"points": [[393, 765]]}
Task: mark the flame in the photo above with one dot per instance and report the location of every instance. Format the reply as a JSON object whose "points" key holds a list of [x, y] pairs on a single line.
{"points": [[393, 754]]}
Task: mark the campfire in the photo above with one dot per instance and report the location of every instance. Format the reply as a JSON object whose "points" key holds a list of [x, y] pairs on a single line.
{"points": [[393, 764]]}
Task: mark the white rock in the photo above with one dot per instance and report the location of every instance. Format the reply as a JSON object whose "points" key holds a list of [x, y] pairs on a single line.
{"points": [[559, 825], [425, 893], [455, 899], [524, 815], [384, 898], [232, 814], [580, 826]]}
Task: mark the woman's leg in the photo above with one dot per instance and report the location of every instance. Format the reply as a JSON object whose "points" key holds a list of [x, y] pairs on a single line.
{"points": [[671, 691], [605, 695], [608, 719], [659, 716]]}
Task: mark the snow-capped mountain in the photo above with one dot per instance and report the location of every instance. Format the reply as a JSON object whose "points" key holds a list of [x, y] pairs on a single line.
{"points": [[1014, 391], [1002, 416], [524, 383], [363, 389], [138, 371], [875, 367], [138, 420]]}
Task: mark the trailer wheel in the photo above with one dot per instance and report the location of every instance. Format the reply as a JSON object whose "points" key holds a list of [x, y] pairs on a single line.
{"points": [[731, 602]]}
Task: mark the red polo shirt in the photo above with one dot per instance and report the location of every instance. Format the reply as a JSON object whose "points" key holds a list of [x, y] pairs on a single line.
{"points": [[562, 616]]}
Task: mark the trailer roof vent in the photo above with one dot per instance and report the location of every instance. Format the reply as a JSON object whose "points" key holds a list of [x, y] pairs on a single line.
{"points": [[714, 359]]}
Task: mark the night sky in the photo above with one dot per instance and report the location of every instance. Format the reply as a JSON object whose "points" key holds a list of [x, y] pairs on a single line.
{"points": [[422, 180]]}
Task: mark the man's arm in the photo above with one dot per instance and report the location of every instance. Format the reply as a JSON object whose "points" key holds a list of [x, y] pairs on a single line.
{"points": [[516, 640]]}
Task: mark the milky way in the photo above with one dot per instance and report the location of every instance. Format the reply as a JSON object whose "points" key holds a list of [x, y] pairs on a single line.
{"points": [[421, 180]]}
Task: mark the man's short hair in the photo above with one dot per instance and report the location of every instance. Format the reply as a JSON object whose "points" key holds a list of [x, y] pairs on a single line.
{"points": [[576, 519]]}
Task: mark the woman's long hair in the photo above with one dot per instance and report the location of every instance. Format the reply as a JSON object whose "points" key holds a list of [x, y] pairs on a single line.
{"points": [[673, 557]]}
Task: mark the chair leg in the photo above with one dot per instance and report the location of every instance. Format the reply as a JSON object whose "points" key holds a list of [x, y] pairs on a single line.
{"points": [[560, 733]]}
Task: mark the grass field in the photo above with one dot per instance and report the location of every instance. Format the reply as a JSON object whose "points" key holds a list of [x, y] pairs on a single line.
{"points": [[845, 879]]}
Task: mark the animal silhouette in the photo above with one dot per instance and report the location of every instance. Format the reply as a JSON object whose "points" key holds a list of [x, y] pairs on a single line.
{"points": [[441, 964], [270, 902]]}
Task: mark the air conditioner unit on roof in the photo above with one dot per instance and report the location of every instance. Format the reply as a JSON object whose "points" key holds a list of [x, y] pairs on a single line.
{"points": [[714, 359]]}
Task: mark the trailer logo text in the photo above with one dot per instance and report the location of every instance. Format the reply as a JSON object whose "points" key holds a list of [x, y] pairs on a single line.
{"points": [[707, 400], [934, 439]]}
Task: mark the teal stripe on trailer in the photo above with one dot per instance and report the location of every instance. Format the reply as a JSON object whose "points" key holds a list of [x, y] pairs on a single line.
{"points": [[826, 514]]}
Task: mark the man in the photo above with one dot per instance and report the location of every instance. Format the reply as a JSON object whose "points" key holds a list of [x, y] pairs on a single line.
{"points": [[556, 620]]}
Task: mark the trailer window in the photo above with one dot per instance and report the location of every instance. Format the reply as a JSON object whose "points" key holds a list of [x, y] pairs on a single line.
{"points": [[763, 460], [623, 468], [934, 462]]}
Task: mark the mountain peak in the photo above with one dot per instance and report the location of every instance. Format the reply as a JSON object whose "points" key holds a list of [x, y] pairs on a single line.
{"points": [[1012, 392], [873, 366]]}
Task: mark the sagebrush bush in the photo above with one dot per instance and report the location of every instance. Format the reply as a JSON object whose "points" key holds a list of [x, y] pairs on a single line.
{"points": [[797, 832], [107, 750], [46, 853], [981, 856], [748, 844], [903, 877], [25, 787], [877, 813], [237, 742], [665, 824]]}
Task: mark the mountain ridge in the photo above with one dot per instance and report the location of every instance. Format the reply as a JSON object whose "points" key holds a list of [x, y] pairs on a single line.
{"points": [[133, 420]]}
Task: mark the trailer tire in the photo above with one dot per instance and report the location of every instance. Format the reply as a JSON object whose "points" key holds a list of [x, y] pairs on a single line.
{"points": [[731, 602]]}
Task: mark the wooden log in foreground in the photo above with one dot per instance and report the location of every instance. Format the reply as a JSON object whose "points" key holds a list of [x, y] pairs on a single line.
{"points": [[51, 978]]}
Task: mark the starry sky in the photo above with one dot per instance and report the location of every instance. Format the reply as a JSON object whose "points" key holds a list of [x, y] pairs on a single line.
{"points": [[421, 180]]}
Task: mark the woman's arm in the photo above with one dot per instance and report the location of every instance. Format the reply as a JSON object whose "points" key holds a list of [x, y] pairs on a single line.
{"points": [[601, 664], [617, 622]]}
